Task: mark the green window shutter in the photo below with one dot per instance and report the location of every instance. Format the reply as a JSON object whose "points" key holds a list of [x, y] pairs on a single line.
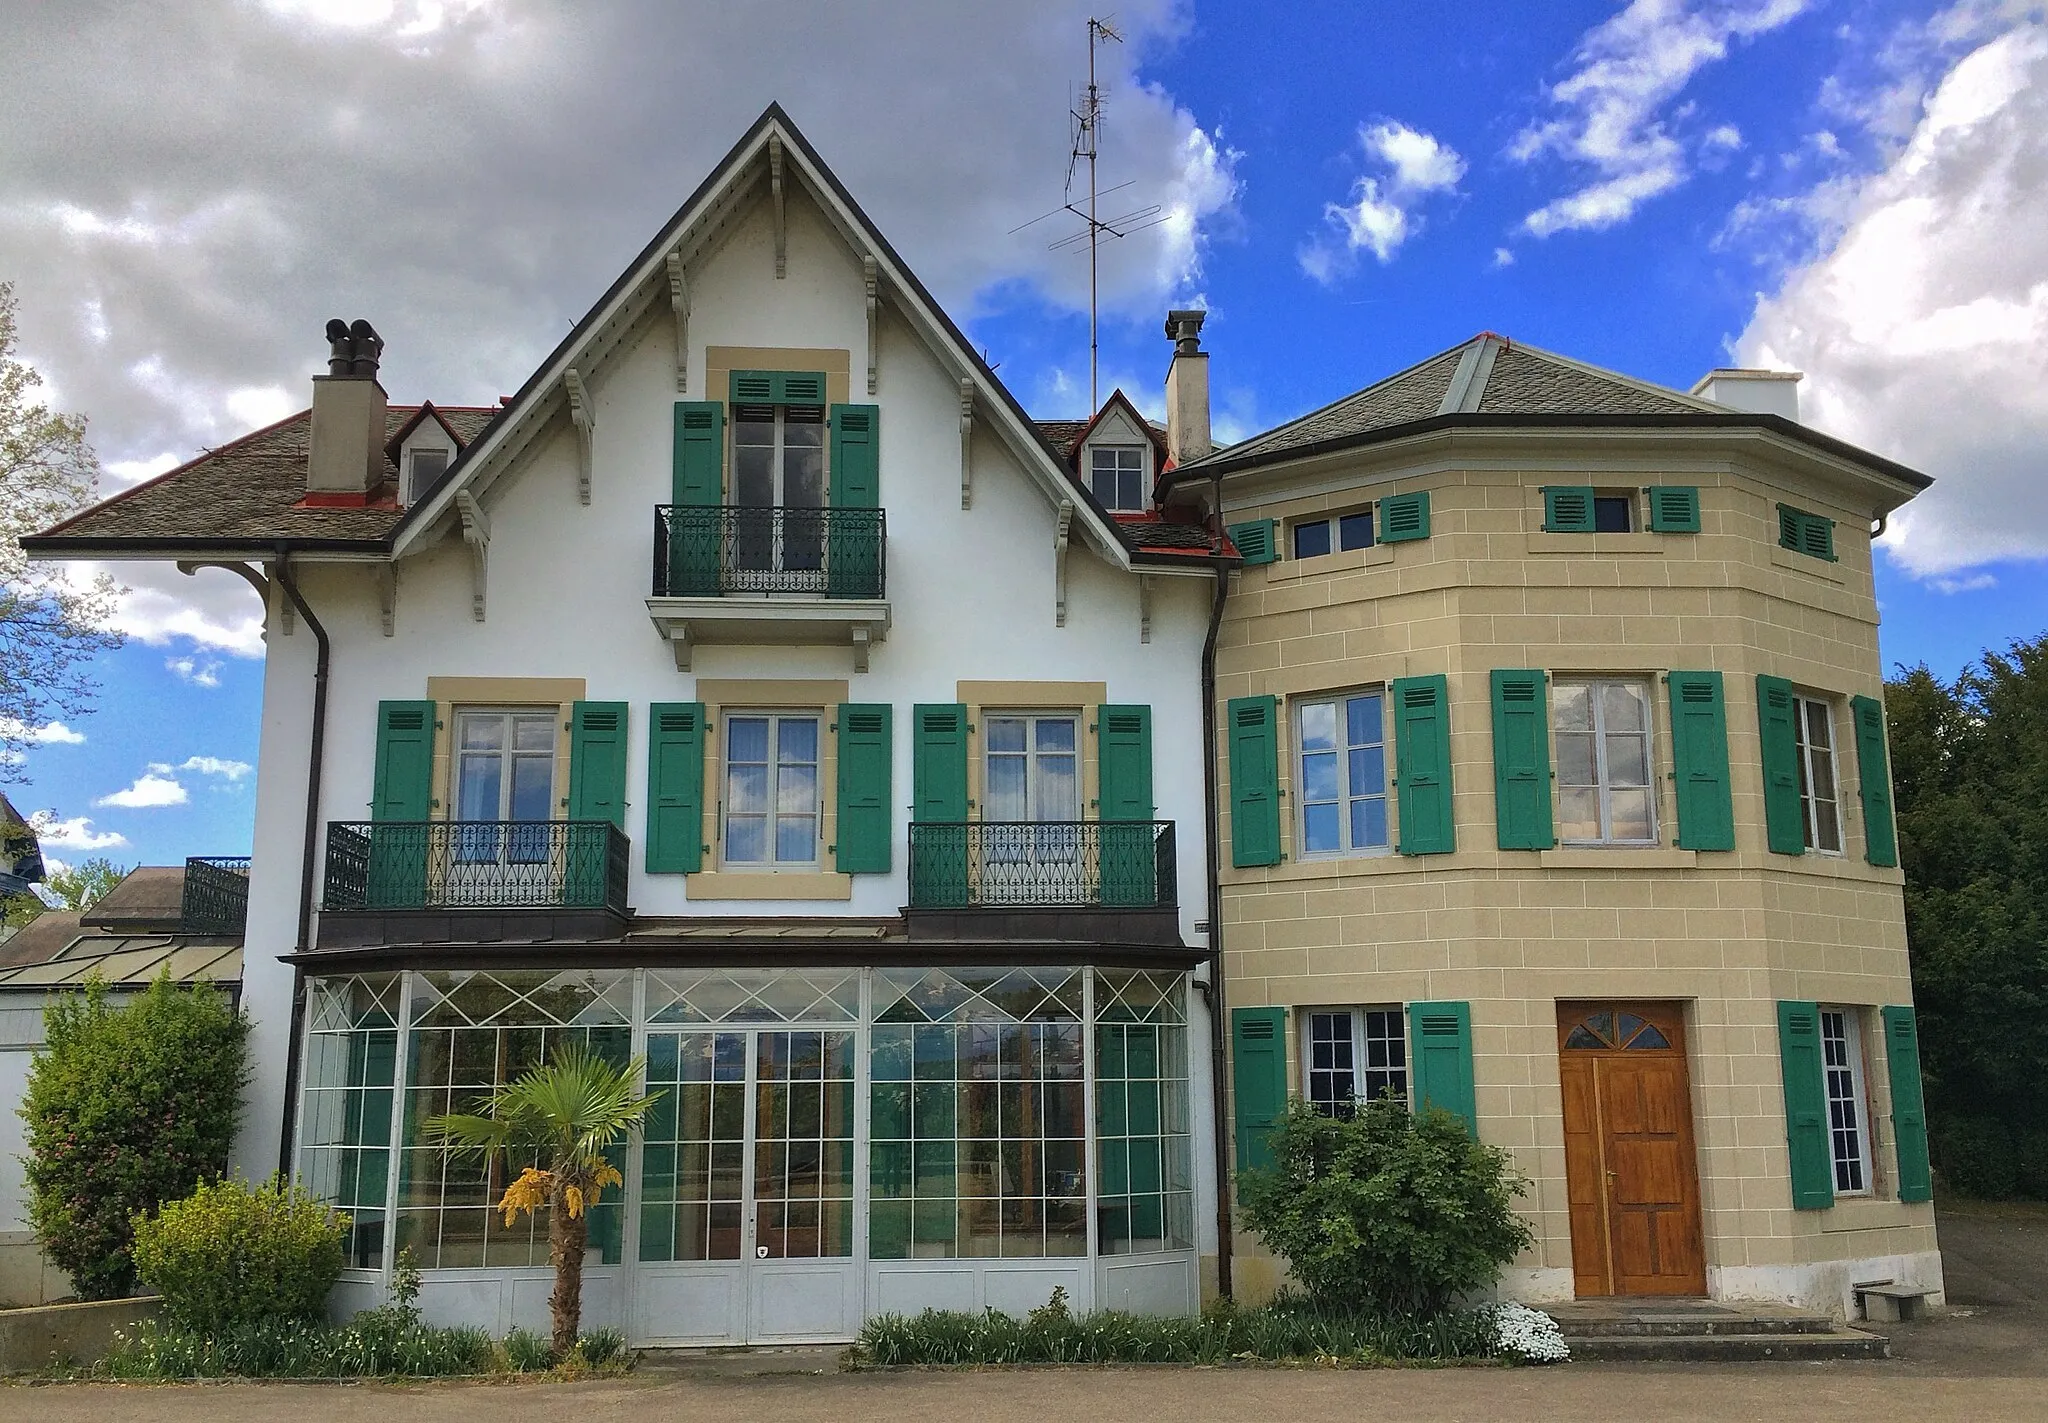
{"points": [[1125, 748], [856, 457], [1568, 509], [1521, 761], [1880, 835], [1806, 533], [675, 788], [597, 762], [1778, 733], [1674, 508], [1806, 1106], [1258, 1069], [1909, 1111], [1422, 765], [777, 387], [866, 838], [939, 767], [1254, 780], [1404, 517], [1257, 540], [1440, 1039], [404, 786], [699, 473], [1699, 738]]}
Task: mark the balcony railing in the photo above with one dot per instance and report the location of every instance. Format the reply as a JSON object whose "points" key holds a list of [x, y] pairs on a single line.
{"points": [[476, 864], [216, 897], [711, 551], [1015, 864]]}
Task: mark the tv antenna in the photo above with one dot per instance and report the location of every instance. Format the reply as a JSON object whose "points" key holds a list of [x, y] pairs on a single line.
{"points": [[1087, 135]]}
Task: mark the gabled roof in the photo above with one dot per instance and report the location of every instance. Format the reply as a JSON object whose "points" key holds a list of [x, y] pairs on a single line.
{"points": [[1491, 381], [1068, 436], [427, 411]]}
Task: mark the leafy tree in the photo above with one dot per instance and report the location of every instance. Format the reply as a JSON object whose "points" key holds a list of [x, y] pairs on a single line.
{"points": [[82, 888], [1391, 1212], [51, 627], [564, 1116], [18, 911], [127, 1107], [1970, 777]]}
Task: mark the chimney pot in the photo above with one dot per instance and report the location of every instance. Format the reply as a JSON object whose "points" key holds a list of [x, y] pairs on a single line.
{"points": [[1187, 388], [345, 450], [1758, 392]]}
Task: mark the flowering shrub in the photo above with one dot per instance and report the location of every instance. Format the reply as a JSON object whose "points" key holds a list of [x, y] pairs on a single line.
{"points": [[1528, 1336]]}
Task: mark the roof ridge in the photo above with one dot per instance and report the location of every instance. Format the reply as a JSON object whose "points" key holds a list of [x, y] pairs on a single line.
{"points": [[1622, 378], [1324, 409]]}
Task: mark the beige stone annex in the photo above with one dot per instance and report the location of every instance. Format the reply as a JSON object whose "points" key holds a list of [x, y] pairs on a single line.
{"points": [[1554, 781]]}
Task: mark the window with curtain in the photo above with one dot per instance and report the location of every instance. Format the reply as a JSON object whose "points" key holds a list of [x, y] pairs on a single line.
{"points": [[1604, 791], [772, 811]]}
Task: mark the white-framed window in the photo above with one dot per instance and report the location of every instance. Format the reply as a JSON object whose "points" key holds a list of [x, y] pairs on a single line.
{"points": [[771, 806], [1353, 1055], [1341, 765], [1820, 809], [422, 468], [1032, 767], [1604, 792], [504, 771], [1315, 537], [778, 456], [1841, 1040], [1116, 474]]}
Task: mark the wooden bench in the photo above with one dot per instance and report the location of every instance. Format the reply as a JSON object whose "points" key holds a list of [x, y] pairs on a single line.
{"points": [[1883, 1302]]}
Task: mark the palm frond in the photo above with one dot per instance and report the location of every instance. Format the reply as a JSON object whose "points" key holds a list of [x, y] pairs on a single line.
{"points": [[569, 1109]]}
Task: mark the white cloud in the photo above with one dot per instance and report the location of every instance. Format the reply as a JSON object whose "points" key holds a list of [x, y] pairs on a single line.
{"points": [[1380, 212], [118, 475], [55, 733], [73, 834], [1503, 257], [1922, 322], [199, 671], [1612, 115], [215, 766], [1965, 583], [150, 791]]}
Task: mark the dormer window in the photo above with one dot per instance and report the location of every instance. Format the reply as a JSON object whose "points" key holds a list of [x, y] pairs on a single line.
{"points": [[422, 468], [1117, 477]]}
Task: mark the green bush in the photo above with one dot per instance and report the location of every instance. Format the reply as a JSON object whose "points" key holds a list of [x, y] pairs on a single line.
{"points": [[127, 1108], [1392, 1213], [232, 1254], [1976, 1157]]}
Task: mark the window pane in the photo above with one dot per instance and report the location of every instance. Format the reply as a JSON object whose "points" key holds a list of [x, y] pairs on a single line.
{"points": [[1355, 530], [533, 733], [483, 733], [1611, 513], [753, 474], [1130, 489], [1318, 726], [1319, 776], [746, 838], [1578, 812], [746, 789], [1055, 733], [799, 739], [477, 793], [1575, 760], [746, 738], [1624, 705], [1319, 829], [1827, 826], [1362, 720], [1572, 706], [796, 839], [1006, 799], [1369, 824], [1628, 761], [796, 790], [1312, 540], [1631, 814], [1369, 770], [532, 777], [1005, 733]]}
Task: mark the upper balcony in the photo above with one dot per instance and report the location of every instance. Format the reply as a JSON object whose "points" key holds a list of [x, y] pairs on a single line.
{"points": [[1107, 881], [747, 574], [215, 896]]}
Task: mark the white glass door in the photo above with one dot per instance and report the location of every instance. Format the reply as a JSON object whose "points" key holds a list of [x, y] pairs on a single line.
{"points": [[1031, 812], [504, 797]]}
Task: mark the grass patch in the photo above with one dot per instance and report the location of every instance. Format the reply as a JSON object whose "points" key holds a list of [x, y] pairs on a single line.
{"points": [[1286, 1331], [375, 1344]]}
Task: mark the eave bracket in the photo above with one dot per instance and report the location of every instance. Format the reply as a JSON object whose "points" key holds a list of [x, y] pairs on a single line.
{"points": [[476, 532], [781, 216], [679, 303], [966, 442], [584, 415], [1060, 539], [872, 279]]}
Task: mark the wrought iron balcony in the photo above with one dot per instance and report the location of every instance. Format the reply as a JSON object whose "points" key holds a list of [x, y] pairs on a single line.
{"points": [[713, 551], [476, 864], [216, 895], [1018, 864]]}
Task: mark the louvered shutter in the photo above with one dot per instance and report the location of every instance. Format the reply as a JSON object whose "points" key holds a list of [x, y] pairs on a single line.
{"points": [[1880, 834], [1521, 761], [777, 387], [1806, 1106], [1568, 509], [1778, 733], [938, 866], [1257, 540], [1404, 517], [1909, 1111], [866, 837], [695, 533], [1699, 738], [1124, 747], [1254, 780], [401, 801], [853, 543], [597, 762], [675, 788], [1422, 763], [1440, 1035], [1258, 1069], [1674, 508]]}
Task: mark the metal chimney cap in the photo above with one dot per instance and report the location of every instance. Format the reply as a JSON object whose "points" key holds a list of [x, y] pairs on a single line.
{"points": [[1184, 329], [369, 347], [340, 350]]}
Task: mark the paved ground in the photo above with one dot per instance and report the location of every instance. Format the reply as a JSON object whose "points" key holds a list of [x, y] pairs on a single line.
{"points": [[1987, 1360]]}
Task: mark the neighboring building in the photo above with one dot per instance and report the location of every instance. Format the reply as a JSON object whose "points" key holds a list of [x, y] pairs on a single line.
{"points": [[761, 691], [185, 921], [756, 691], [21, 855], [1558, 796]]}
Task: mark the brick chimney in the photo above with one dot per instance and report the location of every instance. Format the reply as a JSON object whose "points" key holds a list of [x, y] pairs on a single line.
{"points": [[1187, 388], [345, 461]]}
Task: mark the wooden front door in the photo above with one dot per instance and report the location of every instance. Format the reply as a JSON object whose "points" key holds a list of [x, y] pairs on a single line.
{"points": [[1628, 1150]]}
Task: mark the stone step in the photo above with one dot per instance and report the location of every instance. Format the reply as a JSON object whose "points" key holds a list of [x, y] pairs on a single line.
{"points": [[1663, 1326], [1730, 1348]]}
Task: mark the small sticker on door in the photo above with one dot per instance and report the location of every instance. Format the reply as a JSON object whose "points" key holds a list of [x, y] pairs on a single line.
{"points": [[760, 1252]]}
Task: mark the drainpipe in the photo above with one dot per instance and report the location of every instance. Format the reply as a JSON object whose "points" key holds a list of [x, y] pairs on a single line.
{"points": [[1214, 988], [315, 757]]}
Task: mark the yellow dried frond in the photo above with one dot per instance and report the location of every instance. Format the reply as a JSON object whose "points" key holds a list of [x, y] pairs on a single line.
{"points": [[607, 1175], [528, 1194], [574, 1196]]}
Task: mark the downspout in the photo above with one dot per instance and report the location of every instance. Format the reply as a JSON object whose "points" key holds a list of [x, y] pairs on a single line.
{"points": [[1214, 988], [312, 847]]}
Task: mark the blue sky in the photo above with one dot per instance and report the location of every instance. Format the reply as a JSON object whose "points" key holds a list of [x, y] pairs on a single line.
{"points": [[1832, 185]]}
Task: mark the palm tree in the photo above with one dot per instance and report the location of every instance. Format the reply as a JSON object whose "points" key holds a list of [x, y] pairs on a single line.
{"points": [[563, 1116]]}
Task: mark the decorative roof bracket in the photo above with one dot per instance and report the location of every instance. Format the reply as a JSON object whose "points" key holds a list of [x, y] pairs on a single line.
{"points": [[1059, 561], [872, 278], [1144, 607], [585, 417], [386, 575], [781, 217], [966, 442], [679, 302], [476, 532]]}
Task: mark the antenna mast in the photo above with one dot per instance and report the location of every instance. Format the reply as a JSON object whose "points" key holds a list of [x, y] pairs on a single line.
{"points": [[1087, 134]]}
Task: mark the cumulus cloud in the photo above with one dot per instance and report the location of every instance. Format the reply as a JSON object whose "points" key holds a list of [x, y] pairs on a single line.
{"points": [[73, 834], [214, 766], [1922, 320], [199, 671], [151, 790], [1381, 212], [55, 733], [1611, 111]]}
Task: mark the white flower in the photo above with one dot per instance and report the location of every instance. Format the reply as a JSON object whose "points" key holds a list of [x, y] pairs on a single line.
{"points": [[1528, 1335]]}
